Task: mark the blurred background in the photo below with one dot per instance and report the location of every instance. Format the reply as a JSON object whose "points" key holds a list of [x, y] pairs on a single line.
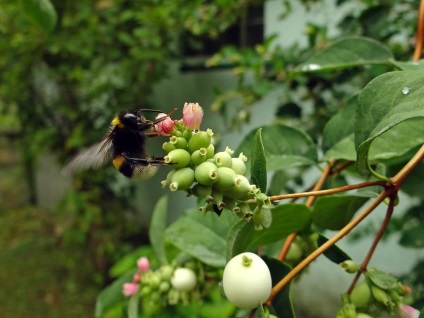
{"points": [[67, 67]]}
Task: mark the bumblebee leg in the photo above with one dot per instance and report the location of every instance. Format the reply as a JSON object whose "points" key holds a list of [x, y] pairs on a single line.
{"points": [[147, 161]]}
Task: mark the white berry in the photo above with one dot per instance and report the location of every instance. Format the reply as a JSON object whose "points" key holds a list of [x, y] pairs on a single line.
{"points": [[183, 279]]}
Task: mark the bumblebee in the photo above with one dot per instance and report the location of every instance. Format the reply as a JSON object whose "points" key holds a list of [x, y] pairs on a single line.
{"points": [[124, 145]]}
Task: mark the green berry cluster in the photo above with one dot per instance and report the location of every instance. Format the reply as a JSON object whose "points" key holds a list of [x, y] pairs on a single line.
{"points": [[171, 285], [217, 177], [379, 292]]}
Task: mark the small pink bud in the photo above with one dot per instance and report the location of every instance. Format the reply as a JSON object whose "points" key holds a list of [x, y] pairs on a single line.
{"points": [[166, 126], [143, 264], [129, 289], [192, 115], [406, 311], [136, 278]]}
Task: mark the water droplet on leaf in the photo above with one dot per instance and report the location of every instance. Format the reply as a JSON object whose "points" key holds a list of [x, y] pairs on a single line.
{"points": [[311, 67], [405, 90]]}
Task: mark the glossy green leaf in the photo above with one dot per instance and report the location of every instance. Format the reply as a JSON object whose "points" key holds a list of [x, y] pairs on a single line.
{"points": [[409, 66], [281, 304], [385, 102], [334, 212], [413, 237], [112, 294], [157, 229], [334, 253], [42, 12], [258, 163], [381, 279], [285, 147], [347, 53], [201, 236], [286, 219]]}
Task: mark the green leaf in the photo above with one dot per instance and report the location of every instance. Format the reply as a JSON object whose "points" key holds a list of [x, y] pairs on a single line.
{"points": [[413, 237], [409, 66], [334, 212], [157, 229], [258, 162], [285, 147], [286, 219], [133, 305], [381, 279], [347, 53], [334, 253], [385, 102], [42, 12], [281, 304], [112, 294], [202, 236]]}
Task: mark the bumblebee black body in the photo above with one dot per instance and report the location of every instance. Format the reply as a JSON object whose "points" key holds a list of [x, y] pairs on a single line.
{"points": [[124, 145]]}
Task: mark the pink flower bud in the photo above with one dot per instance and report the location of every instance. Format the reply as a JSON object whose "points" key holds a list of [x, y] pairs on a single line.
{"points": [[129, 289], [143, 264], [192, 115], [136, 278], [166, 126], [406, 311]]}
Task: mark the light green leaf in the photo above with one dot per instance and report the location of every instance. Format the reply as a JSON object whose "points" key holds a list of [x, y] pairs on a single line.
{"points": [[286, 219], [42, 12], [409, 66], [385, 102], [157, 229], [381, 279], [258, 166], [285, 147], [334, 212], [202, 236], [347, 53]]}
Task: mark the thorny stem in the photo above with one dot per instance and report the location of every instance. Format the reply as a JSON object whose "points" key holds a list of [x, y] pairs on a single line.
{"points": [[420, 33], [289, 240], [377, 239]]}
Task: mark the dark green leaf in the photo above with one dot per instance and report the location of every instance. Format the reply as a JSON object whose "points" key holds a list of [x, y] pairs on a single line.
{"points": [[385, 102], [286, 219], [42, 12], [281, 304], [258, 162], [334, 254], [347, 53], [202, 236], [381, 279], [284, 147], [334, 212], [157, 229], [413, 237], [112, 294]]}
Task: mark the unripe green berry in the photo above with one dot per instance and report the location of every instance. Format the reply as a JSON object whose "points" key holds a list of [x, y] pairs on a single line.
{"points": [[165, 183], [201, 139], [164, 287], [349, 266], [198, 156], [187, 133], [182, 179], [178, 142], [223, 159], [201, 191], [240, 189], [362, 315], [179, 158], [294, 253], [168, 146], [217, 198], [226, 178], [380, 295], [206, 173], [238, 164], [361, 295], [210, 151]]}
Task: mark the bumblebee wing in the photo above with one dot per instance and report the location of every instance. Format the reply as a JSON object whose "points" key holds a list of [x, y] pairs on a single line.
{"points": [[92, 157]]}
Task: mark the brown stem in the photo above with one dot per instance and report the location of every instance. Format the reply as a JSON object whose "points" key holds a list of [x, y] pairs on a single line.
{"points": [[377, 239], [420, 33], [400, 177], [328, 191], [339, 235]]}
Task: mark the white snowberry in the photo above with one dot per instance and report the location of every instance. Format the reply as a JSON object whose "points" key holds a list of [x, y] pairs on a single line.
{"points": [[247, 280], [183, 279]]}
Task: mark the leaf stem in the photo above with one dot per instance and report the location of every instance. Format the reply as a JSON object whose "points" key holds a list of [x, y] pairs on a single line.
{"points": [[420, 33]]}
